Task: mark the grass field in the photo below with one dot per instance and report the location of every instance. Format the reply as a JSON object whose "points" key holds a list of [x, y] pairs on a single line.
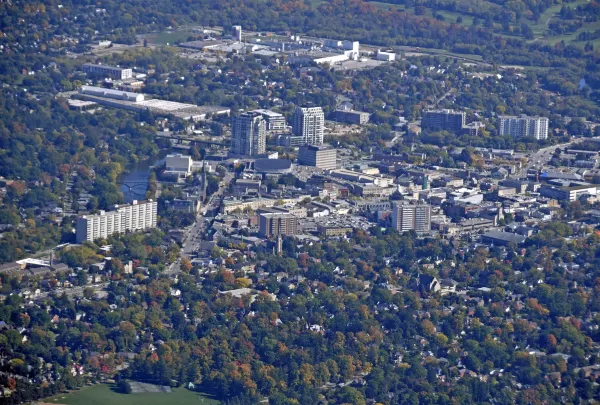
{"points": [[170, 37], [540, 28], [102, 394]]}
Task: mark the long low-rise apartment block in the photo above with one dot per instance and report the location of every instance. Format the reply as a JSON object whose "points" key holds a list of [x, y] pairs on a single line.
{"points": [[114, 72], [137, 216]]}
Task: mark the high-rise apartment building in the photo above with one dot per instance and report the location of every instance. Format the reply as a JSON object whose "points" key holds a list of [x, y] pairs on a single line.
{"points": [[237, 33], [248, 134], [275, 121], [407, 217], [137, 216], [318, 156], [443, 120], [275, 224], [523, 126], [309, 123]]}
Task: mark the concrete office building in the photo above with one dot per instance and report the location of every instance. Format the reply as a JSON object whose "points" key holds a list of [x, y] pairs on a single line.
{"points": [[248, 134], [523, 126], [352, 117], [275, 122], [568, 193], [108, 71], [443, 120], [179, 163], [318, 156], [189, 206], [309, 123], [132, 217], [275, 224], [407, 217]]}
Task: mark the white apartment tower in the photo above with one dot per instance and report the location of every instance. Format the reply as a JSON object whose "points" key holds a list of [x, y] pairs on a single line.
{"points": [[248, 134], [309, 123], [523, 126], [132, 217], [407, 217]]}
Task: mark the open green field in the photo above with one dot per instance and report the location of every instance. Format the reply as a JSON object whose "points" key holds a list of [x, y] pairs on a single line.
{"points": [[170, 37], [102, 394], [539, 28]]}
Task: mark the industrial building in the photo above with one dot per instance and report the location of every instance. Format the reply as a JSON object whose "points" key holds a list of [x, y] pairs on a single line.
{"points": [[411, 217], [138, 102], [275, 224], [108, 71], [111, 93], [386, 56], [248, 134], [132, 217], [318, 156], [523, 126], [443, 120], [309, 123]]}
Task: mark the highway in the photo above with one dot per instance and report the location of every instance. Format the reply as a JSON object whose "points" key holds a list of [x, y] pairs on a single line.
{"points": [[540, 158]]}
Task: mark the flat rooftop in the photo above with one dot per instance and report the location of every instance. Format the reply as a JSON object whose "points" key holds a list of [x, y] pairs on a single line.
{"points": [[80, 103], [201, 44]]}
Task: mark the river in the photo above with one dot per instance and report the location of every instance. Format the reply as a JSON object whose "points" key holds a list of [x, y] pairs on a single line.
{"points": [[139, 172]]}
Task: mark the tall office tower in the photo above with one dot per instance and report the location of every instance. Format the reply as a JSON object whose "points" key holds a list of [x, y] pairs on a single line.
{"points": [[446, 120], [309, 123], [407, 217], [248, 134], [523, 126], [237, 33], [133, 217], [273, 224]]}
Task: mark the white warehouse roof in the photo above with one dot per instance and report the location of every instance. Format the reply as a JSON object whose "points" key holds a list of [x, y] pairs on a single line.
{"points": [[110, 93]]}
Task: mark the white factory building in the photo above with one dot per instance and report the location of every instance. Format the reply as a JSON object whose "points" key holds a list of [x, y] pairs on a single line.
{"points": [[111, 93]]}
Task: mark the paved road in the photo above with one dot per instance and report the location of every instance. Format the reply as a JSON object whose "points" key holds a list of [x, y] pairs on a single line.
{"points": [[197, 231], [540, 158]]}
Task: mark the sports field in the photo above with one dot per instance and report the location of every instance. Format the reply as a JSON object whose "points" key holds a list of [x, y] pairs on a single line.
{"points": [[103, 394]]}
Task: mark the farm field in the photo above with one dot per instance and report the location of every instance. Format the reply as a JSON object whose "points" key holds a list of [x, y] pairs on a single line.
{"points": [[103, 394]]}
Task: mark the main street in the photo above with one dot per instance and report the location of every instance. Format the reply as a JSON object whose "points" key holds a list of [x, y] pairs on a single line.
{"points": [[194, 234]]}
